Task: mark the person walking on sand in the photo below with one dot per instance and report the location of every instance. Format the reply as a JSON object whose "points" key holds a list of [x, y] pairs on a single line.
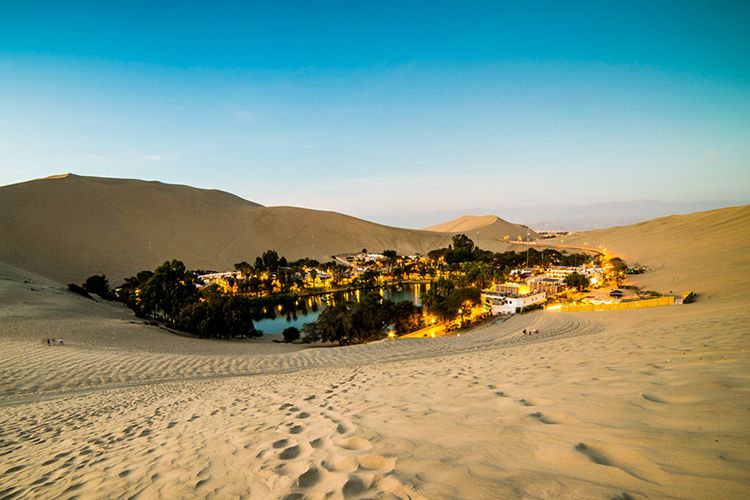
{"points": [[49, 342]]}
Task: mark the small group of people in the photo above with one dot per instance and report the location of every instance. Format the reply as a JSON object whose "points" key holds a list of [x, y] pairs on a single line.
{"points": [[530, 332], [57, 341]]}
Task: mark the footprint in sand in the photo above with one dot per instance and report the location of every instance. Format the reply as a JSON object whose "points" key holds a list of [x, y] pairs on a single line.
{"points": [[290, 453], [652, 398], [309, 478], [280, 443], [594, 455], [525, 402], [353, 487], [623, 496], [293, 496], [296, 429], [543, 418], [303, 414]]}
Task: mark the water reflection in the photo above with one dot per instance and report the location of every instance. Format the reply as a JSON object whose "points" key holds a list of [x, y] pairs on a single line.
{"points": [[308, 309]]}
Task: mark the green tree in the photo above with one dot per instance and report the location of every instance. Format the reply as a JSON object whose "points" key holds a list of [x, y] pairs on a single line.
{"points": [[578, 281], [390, 259], [618, 264], [245, 268], [339, 272], [270, 260], [404, 316], [129, 292], [369, 278], [169, 289], [463, 249], [99, 285], [349, 322], [446, 301], [218, 315]]}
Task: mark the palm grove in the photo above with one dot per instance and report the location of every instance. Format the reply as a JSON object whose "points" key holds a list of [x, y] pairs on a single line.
{"points": [[459, 272]]}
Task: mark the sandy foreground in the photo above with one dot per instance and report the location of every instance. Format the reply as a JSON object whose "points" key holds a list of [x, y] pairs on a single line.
{"points": [[652, 403]]}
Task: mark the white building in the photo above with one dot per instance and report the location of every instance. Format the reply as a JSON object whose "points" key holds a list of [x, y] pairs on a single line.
{"points": [[561, 272], [217, 278], [500, 303]]}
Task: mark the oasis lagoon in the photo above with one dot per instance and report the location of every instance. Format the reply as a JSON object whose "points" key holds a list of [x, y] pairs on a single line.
{"points": [[310, 307]]}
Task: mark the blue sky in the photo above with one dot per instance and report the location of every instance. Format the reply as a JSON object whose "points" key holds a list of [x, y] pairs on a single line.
{"points": [[380, 109]]}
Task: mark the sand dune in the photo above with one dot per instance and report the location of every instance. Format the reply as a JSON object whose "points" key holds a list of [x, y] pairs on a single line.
{"points": [[629, 404], [484, 227], [708, 252], [69, 227]]}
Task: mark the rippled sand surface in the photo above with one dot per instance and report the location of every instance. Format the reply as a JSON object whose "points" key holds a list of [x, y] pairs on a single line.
{"points": [[633, 404]]}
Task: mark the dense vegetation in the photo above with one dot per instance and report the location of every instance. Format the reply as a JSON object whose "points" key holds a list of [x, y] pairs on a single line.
{"points": [[446, 301], [467, 265], [265, 288], [356, 322], [170, 294], [577, 281], [273, 274]]}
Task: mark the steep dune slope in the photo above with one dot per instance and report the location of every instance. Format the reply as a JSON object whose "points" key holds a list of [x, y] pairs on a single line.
{"points": [[68, 227], [484, 227], [708, 252]]}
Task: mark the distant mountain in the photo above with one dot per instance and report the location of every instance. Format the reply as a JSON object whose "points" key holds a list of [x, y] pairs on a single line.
{"points": [[567, 217], [609, 214], [483, 227], [69, 227]]}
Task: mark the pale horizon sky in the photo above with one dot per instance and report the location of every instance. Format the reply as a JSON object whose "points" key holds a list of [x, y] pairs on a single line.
{"points": [[385, 110]]}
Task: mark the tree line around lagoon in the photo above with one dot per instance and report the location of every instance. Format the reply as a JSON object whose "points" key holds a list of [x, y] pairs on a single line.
{"points": [[459, 272], [170, 294]]}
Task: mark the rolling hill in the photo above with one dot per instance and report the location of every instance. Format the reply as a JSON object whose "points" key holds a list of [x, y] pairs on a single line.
{"points": [[69, 227]]}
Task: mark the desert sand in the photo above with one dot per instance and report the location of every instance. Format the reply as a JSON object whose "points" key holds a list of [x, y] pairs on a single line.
{"points": [[632, 404], [69, 227]]}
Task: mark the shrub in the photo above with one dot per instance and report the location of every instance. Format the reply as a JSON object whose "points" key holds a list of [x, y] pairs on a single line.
{"points": [[79, 290], [99, 285], [291, 334]]}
